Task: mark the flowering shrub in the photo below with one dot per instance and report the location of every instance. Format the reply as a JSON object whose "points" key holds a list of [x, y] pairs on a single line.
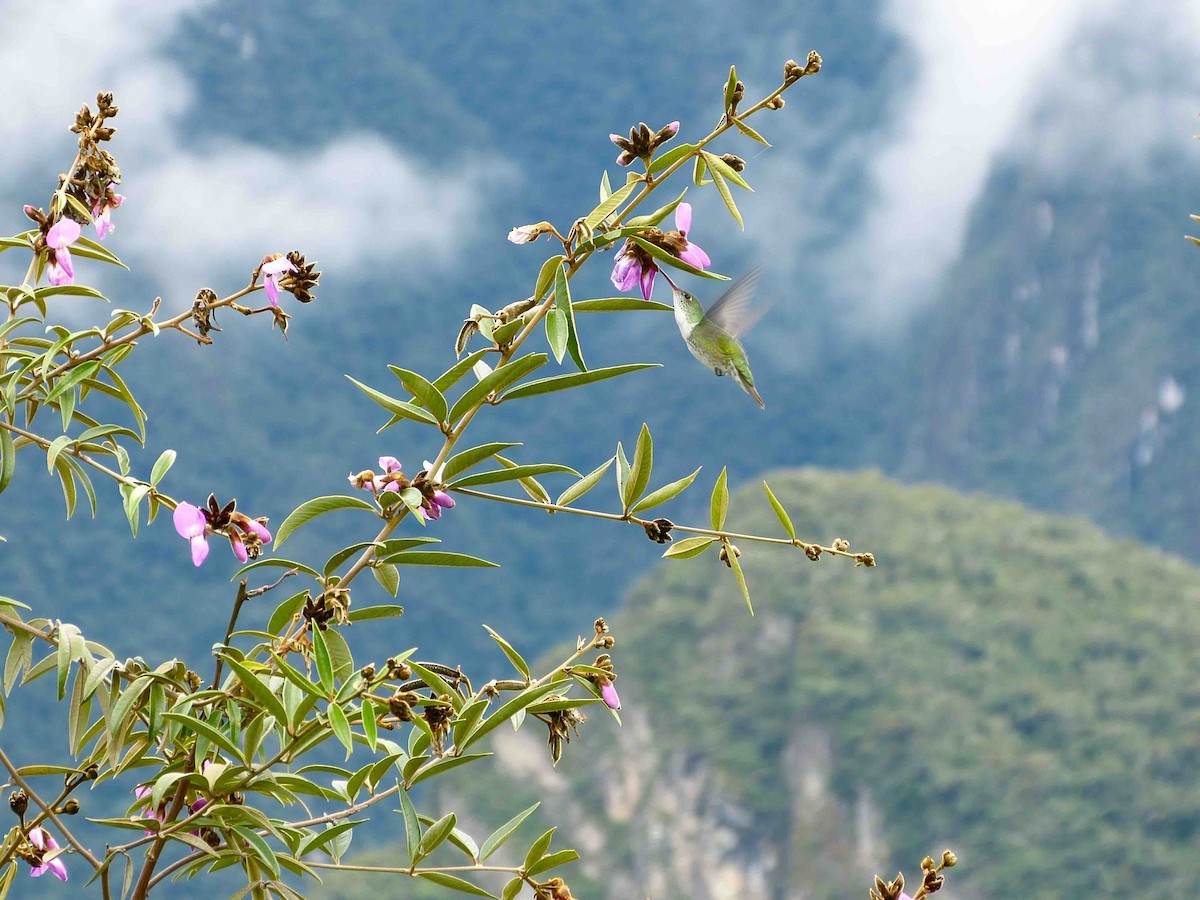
{"points": [[212, 762]]}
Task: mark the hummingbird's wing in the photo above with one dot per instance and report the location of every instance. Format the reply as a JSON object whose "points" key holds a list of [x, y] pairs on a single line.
{"points": [[735, 312]]}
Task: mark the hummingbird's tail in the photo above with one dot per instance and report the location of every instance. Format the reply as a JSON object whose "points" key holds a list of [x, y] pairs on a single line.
{"points": [[748, 387]]}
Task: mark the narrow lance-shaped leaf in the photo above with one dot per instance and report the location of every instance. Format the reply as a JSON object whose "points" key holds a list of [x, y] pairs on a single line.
{"points": [[562, 300], [674, 261], [573, 380], [401, 408], [719, 503], [513, 656], [726, 171], [639, 470], [784, 519], [556, 333], [460, 462], [423, 390], [688, 547], [739, 575], [318, 506], [727, 196], [497, 838], [610, 205], [583, 485], [665, 493], [496, 381]]}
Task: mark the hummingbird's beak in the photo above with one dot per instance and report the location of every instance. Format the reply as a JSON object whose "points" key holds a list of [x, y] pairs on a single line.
{"points": [[673, 285]]}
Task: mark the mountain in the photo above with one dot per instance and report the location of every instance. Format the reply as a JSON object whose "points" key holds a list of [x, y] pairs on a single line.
{"points": [[1016, 686]]}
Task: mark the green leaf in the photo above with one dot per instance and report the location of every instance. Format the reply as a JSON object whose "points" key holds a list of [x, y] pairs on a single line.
{"points": [[55, 448], [89, 249], [719, 167], [659, 214], [438, 766], [440, 558], [639, 470], [556, 332], [162, 465], [497, 838], [437, 684], [460, 462], [673, 261], [366, 613], [665, 493], [688, 547], [610, 205], [258, 689], [784, 519], [260, 847], [496, 381], [730, 86], [538, 849], [719, 503], [68, 290], [8, 457], [620, 304], [698, 172], [370, 725], [605, 187], [495, 476], [546, 276], [340, 726], [513, 656], [727, 196], [423, 390], [585, 484], [388, 577], [510, 890], [321, 838], [324, 663], [435, 835], [622, 472], [214, 734], [334, 562], [455, 883], [412, 825], [672, 156], [506, 711], [562, 301], [318, 506], [454, 374], [750, 132], [741, 578], [573, 379], [395, 406], [552, 861]]}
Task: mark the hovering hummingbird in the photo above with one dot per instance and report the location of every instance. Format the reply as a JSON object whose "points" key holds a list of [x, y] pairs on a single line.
{"points": [[712, 337]]}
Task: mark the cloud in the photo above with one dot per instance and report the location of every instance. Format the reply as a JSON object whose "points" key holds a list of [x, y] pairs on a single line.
{"points": [[976, 67], [201, 211]]}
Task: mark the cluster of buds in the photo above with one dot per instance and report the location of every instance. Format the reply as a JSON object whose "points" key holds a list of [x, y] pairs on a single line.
{"points": [[203, 313], [246, 535], [96, 174], [438, 714], [401, 704], [554, 889], [735, 97], [331, 604], [433, 499], [561, 723], [642, 142], [793, 71], [726, 550], [932, 880], [659, 530]]}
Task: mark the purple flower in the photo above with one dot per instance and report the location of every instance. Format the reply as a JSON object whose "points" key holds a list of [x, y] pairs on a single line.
{"points": [[691, 254], [440, 500], [61, 235], [608, 694], [110, 201], [141, 792], [389, 464], [41, 839], [634, 266], [191, 524], [271, 270]]}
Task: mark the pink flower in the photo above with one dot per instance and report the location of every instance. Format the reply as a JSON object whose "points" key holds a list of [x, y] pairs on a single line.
{"points": [[271, 270], [634, 266], [141, 792], [441, 500], [608, 693], [110, 201], [191, 525], [41, 839], [389, 464], [61, 235]]}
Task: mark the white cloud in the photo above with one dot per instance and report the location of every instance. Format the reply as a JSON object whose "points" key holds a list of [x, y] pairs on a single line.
{"points": [[198, 212], [977, 66]]}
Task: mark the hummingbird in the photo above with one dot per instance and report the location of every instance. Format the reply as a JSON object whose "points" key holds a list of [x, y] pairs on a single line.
{"points": [[712, 337]]}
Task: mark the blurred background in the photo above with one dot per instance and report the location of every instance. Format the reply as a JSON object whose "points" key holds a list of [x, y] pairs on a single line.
{"points": [[979, 365]]}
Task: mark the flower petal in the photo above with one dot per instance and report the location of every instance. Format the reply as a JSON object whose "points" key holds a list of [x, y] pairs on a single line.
{"points": [[258, 530], [189, 521], [683, 218], [648, 274], [62, 233], [693, 255], [199, 549], [444, 500], [389, 464], [608, 694], [239, 548], [278, 266], [271, 285]]}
